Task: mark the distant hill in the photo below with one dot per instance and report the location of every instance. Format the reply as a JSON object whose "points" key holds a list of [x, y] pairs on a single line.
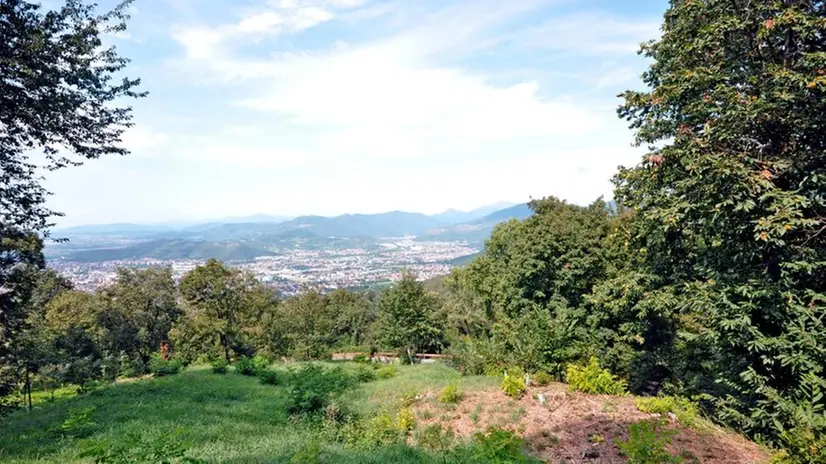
{"points": [[111, 229], [173, 249], [479, 229]]}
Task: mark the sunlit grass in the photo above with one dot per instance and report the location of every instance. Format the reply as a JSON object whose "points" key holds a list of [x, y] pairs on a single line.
{"points": [[221, 418]]}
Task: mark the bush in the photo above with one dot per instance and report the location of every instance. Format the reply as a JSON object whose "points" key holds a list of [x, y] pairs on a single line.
{"points": [[311, 388], [364, 374], [499, 446], [219, 366], [268, 377], [593, 379], [686, 411], [541, 378], [646, 444], [386, 428], [513, 385], [450, 394], [387, 372], [260, 362], [244, 366], [160, 367], [361, 358], [434, 437]]}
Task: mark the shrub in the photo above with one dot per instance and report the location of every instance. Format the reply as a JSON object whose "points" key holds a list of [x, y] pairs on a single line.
{"points": [[364, 374], [244, 366], [219, 366], [499, 446], [311, 387], [686, 411], [434, 437], [160, 367], [268, 377], [361, 358], [513, 385], [541, 378], [260, 362], [386, 428], [450, 394], [309, 454], [387, 372], [646, 444], [593, 379]]}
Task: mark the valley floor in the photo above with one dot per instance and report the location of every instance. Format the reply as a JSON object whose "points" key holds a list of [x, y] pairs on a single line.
{"points": [[235, 419]]}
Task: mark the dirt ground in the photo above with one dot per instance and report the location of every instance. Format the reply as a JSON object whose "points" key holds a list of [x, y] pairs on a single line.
{"points": [[577, 428]]}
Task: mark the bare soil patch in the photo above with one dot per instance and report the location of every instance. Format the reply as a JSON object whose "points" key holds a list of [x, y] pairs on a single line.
{"points": [[578, 428]]}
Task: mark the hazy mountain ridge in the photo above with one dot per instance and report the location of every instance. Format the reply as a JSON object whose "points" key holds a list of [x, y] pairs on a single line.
{"points": [[244, 241]]}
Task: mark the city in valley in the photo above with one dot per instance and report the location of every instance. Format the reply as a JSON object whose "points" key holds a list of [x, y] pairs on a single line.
{"points": [[289, 271]]}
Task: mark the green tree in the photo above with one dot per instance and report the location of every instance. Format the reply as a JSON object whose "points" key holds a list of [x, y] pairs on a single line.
{"points": [[353, 317], [217, 309], [409, 318], [522, 299], [139, 310], [21, 258], [731, 201], [309, 323], [35, 346], [59, 94], [74, 332]]}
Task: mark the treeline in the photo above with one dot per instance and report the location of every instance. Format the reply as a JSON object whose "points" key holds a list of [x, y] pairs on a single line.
{"points": [[215, 311]]}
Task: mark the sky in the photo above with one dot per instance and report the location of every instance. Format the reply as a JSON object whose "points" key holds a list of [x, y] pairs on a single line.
{"points": [[326, 107]]}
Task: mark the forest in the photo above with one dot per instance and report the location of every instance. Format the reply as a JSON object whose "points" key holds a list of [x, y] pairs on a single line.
{"points": [[704, 280]]}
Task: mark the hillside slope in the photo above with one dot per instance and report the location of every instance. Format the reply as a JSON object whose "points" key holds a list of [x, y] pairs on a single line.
{"points": [[235, 419]]}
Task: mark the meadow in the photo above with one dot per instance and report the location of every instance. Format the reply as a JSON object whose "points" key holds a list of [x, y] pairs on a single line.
{"points": [[399, 414]]}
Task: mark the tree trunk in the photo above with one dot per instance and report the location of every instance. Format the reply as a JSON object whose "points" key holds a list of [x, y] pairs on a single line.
{"points": [[225, 343], [29, 388]]}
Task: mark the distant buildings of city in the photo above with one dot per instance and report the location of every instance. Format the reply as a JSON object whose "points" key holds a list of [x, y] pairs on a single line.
{"points": [[293, 270]]}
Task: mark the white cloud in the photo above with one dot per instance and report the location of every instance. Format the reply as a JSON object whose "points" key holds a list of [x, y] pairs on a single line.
{"points": [[584, 34], [261, 22], [140, 138]]}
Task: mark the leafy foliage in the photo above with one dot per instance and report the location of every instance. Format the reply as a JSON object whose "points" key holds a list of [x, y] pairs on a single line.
{"points": [[499, 446], [450, 394], [541, 378], [268, 377], [387, 372], [310, 388], [408, 318], [219, 366], [593, 379], [646, 444], [60, 96], [513, 384], [686, 411], [160, 367], [730, 204]]}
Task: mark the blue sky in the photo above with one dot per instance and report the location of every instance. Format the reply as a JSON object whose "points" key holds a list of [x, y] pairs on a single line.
{"points": [[333, 106]]}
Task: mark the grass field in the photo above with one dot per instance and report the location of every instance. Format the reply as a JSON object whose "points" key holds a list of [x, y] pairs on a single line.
{"points": [[218, 418], [198, 416]]}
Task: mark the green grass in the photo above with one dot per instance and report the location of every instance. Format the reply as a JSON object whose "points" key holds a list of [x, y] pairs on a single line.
{"points": [[220, 418]]}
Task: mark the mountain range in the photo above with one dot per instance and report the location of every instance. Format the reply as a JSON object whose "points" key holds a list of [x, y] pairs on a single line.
{"points": [[237, 239]]}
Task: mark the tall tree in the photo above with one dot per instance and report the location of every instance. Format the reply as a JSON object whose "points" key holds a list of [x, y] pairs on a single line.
{"points": [[217, 308], [139, 310], [408, 318], [732, 202], [310, 323], [20, 259], [58, 94]]}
